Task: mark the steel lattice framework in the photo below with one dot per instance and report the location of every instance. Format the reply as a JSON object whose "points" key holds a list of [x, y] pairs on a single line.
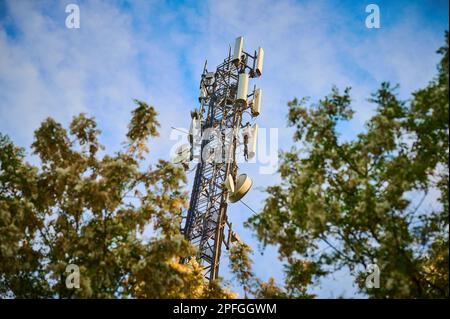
{"points": [[220, 117]]}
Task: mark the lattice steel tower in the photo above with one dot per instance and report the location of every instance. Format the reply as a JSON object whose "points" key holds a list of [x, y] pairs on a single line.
{"points": [[215, 134]]}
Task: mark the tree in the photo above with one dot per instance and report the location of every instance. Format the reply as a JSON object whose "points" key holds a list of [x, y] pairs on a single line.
{"points": [[90, 210], [357, 203], [295, 286]]}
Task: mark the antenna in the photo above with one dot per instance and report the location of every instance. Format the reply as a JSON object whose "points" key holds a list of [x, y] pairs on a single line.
{"points": [[205, 66], [243, 185], [223, 100]]}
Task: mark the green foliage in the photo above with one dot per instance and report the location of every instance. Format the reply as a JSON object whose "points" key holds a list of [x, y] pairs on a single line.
{"points": [[348, 204], [241, 267], [80, 208], [340, 205], [240, 264], [143, 125]]}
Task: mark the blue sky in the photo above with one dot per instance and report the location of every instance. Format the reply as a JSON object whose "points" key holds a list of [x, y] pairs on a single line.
{"points": [[155, 50]]}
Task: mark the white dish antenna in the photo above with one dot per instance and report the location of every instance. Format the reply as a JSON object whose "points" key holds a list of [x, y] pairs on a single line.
{"points": [[182, 154], [241, 188]]}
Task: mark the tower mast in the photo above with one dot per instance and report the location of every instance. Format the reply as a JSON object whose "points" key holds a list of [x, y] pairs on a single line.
{"points": [[214, 137]]}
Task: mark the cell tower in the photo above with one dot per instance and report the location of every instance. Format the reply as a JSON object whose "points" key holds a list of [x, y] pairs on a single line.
{"points": [[215, 134]]}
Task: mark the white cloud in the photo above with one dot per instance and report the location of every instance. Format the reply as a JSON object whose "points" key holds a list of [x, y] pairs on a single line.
{"points": [[50, 70]]}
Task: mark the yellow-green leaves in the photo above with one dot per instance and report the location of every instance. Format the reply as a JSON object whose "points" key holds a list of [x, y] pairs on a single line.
{"points": [[348, 205], [143, 125], [116, 221]]}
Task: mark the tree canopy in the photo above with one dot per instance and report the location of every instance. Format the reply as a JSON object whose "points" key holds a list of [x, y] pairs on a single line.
{"points": [[353, 204], [84, 208], [341, 205]]}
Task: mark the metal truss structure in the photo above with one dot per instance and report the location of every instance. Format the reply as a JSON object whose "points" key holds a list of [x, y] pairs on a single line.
{"points": [[220, 118]]}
